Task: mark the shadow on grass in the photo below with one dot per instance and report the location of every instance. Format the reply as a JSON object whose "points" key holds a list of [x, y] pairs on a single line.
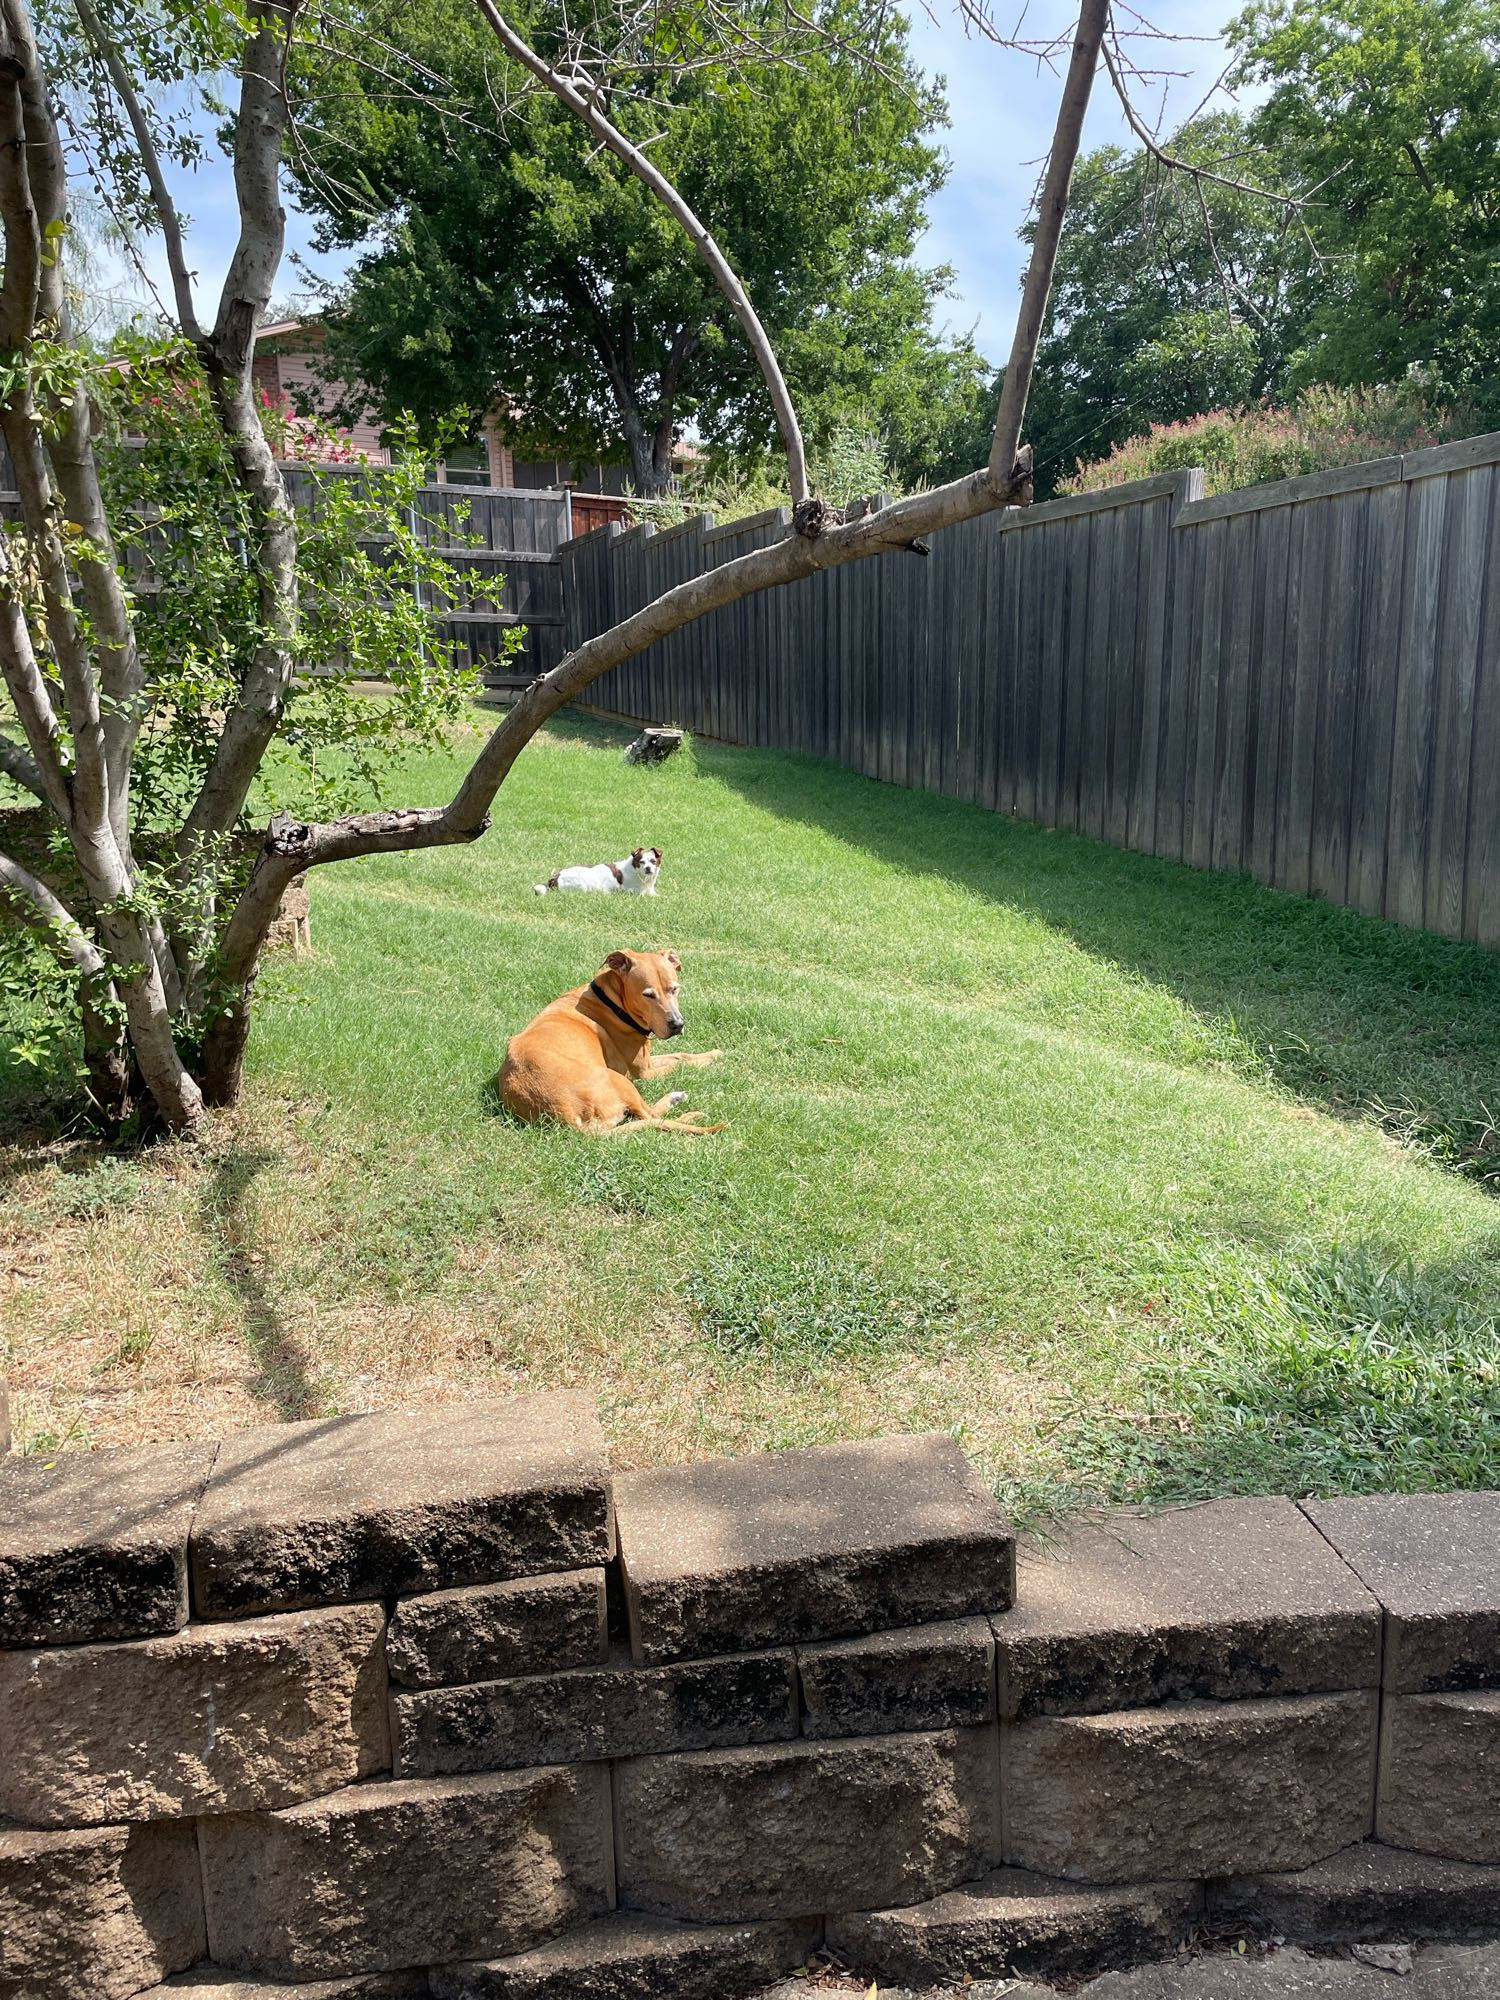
{"points": [[1353, 1014], [284, 1377]]}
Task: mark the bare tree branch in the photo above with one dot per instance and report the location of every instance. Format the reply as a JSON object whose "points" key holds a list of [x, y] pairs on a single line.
{"points": [[156, 180], [1051, 208], [584, 105], [22, 769], [1173, 161]]}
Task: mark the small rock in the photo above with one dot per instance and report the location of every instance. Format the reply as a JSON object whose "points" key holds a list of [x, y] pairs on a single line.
{"points": [[1383, 1957]]}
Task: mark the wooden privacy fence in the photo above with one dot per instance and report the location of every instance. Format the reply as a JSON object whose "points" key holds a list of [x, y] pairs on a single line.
{"points": [[1301, 679], [518, 534]]}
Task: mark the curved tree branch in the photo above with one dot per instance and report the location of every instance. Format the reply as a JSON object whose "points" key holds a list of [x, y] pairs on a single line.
{"points": [[291, 847], [585, 106]]}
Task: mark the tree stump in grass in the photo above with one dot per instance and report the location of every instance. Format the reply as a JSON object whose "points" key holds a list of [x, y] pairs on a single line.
{"points": [[291, 928], [653, 746]]}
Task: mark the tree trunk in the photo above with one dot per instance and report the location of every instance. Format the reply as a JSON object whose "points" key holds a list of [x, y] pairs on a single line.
{"points": [[106, 1060], [661, 454], [650, 477], [221, 1067]]}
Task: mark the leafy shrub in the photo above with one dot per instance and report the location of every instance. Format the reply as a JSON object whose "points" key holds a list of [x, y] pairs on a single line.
{"points": [[1322, 427]]}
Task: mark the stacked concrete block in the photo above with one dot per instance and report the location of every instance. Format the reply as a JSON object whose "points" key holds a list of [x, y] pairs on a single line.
{"points": [[93, 1545], [400, 1502], [414, 1704], [785, 1547], [1188, 1694], [1433, 1560], [385, 1876], [629, 1957], [97, 1914], [1013, 1921], [195, 1654], [1370, 1892], [215, 1718]]}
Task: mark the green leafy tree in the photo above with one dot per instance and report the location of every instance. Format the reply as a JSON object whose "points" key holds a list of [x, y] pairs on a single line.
{"points": [[510, 261], [1391, 109], [1174, 295], [182, 528]]}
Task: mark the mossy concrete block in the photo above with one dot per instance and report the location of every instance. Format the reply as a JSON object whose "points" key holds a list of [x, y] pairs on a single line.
{"points": [[1366, 1892], [735, 1553], [1190, 1790], [618, 1710], [1440, 1774], [97, 1914], [215, 1718], [1013, 1921], [399, 1502], [494, 1631], [1228, 1600], [627, 1957], [381, 1877], [920, 1677], [93, 1544], [794, 1829], [1433, 1561]]}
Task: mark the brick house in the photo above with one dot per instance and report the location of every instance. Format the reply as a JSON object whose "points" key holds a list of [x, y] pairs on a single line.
{"points": [[286, 367]]}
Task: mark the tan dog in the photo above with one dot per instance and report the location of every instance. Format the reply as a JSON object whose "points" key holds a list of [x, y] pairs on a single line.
{"points": [[577, 1060]]}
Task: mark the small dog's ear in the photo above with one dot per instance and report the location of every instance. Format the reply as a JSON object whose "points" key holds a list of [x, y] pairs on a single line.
{"points": [[657, 852], [637, 855], [618, 961], [671, 958]]}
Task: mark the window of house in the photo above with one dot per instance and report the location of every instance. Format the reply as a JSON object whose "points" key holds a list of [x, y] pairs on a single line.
{"points": [[468, 464]]}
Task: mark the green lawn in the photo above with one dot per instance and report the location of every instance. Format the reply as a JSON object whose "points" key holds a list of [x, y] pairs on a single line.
{"points": [[1139, 1180]]}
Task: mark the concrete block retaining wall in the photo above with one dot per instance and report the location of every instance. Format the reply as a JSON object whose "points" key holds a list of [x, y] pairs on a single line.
{"points": [[425, 1703]]}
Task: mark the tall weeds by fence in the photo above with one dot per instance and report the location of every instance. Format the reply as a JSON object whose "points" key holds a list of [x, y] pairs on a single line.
{"points": [[1300, 679]]}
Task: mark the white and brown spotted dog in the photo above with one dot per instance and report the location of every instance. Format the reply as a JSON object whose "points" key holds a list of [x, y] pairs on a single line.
{"points": [[578, 1061], [635, 875]]}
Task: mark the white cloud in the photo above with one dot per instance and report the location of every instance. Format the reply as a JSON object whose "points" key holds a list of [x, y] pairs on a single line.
{"points": [[1002, 108]]}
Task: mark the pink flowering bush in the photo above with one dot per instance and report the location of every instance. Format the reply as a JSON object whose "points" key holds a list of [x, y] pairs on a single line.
{"points": [[310, 440], [1321, 427]]}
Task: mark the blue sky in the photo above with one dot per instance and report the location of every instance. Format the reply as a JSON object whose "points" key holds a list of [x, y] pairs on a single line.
{"points": [[1002, 111]]}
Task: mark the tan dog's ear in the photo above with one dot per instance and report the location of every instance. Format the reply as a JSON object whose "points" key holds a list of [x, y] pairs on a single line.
{"points": [[671, 958], [618, 961]]}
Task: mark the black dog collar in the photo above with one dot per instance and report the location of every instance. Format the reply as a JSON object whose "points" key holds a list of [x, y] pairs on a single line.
{"points": [[616, 1009]]}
